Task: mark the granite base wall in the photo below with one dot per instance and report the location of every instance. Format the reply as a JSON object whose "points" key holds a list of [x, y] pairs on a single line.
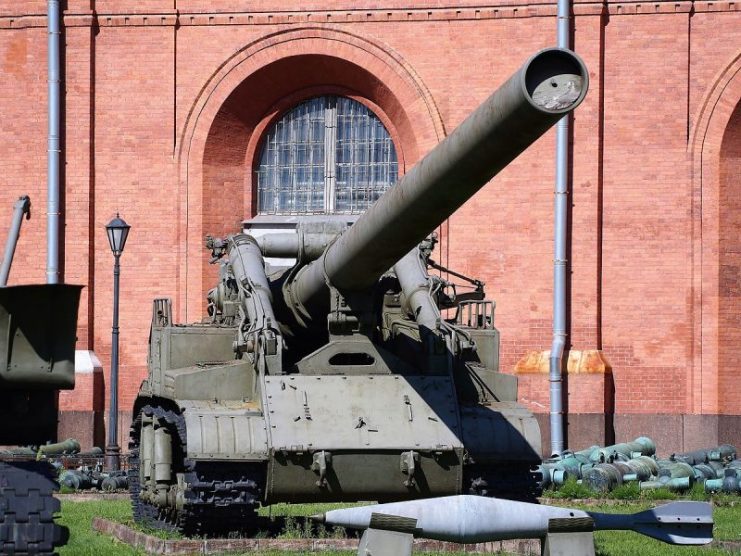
{"points": [[90, 428], [672, 433], [87, 427]]}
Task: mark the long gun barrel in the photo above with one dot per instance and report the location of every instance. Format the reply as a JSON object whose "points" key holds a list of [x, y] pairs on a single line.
{"points": [[548, 86], [22, 206], [470, 519]]}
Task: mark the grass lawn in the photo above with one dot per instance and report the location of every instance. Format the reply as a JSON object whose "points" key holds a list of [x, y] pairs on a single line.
{"points": [[84, 541]]}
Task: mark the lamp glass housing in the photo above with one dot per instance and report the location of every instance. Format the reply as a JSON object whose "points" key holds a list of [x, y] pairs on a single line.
{"points": [[118, 231]]}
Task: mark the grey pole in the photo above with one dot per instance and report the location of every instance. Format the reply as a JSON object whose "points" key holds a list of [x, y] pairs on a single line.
{"points": [[560, 219], [22, 206], [54, 148], [112, 450]]}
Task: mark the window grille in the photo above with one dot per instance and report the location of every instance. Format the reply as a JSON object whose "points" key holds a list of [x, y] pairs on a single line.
{"points": [[328, 155]]}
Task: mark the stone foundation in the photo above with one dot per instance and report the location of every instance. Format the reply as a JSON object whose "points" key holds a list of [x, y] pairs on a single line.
{"points": [[672, 433]]}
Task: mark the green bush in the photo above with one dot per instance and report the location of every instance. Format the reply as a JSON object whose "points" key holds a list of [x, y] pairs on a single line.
{"points": [[627, 491], [658, 494], [570, 489]]}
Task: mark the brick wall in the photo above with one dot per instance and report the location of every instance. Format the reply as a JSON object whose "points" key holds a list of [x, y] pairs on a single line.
{"points": [[166, 100]]}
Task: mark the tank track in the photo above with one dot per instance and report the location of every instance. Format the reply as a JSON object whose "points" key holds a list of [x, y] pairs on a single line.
{"points": [[220, 498], [27, 508], [510, 480]]}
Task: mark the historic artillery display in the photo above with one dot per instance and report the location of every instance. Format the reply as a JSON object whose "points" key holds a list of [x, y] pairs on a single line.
{"points": [[38, 326], [341, 378]]}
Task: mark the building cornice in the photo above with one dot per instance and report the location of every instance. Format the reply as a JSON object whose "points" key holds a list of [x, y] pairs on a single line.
{"points": [[504, 10]]}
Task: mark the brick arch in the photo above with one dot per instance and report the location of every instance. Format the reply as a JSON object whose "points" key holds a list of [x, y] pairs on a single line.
{"points": [[729, 261], [245, 94], [714, 149]]}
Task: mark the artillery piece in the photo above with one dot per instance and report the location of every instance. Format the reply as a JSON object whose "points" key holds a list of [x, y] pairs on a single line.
{"points": [[339, 378], [38, 325]]}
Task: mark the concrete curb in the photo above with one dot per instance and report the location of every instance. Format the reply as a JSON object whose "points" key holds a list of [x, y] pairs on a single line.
{"points": [[153, 545]]}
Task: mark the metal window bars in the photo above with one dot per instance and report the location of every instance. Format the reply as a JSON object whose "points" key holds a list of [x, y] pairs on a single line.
{"points": [[327, 155]]}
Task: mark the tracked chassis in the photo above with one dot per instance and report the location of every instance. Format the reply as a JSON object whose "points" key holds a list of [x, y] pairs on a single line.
{"points": [[217, 498], [214, 498]]}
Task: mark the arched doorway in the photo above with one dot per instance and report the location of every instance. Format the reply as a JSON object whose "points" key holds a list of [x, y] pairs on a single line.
{"points": [[729, 263], [715, 148], [248, 93]]}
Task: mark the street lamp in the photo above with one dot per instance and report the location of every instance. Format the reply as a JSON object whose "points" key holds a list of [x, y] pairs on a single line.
{"points": [[117, 230]]}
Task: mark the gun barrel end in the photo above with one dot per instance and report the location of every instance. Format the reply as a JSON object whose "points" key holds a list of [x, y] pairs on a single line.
{"points": [[556, 80], [318, 518]]}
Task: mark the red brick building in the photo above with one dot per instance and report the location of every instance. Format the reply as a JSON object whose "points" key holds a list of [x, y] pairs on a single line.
{"points": [[167, 101]]}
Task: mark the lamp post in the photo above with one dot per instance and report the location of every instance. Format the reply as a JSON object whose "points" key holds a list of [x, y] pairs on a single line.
{"points": [[117, 230]]}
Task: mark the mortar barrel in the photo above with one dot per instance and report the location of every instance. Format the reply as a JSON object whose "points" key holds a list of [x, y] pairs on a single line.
{"points": [[703, 472], [76, 480], [676, 469], [603, 477], [114, 482], [644, 467], [547, 87]]}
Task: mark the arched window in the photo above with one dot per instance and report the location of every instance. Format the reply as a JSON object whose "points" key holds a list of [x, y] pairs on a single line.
{"points": [[328, 155]]}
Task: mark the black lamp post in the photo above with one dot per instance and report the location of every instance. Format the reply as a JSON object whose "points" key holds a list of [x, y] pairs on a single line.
{"points": [[117, 230]]}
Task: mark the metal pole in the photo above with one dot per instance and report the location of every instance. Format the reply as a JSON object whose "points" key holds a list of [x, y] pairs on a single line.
{"points": [[559, 255], [113, 450], [54, 148]]}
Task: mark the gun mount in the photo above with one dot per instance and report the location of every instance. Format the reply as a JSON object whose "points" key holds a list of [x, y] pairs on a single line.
{"points": [[353, 374]]}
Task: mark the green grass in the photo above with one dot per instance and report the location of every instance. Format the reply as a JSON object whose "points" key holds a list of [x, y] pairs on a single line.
{"points": [[84, 541], [626, 491], [618, 543], [627, 543], [571, 489]]}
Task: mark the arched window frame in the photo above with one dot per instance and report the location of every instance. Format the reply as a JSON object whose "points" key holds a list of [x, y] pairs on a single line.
{"points": [[254, 148]]}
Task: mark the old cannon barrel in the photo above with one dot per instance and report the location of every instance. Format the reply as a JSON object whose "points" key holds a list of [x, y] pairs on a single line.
{"points": [[549, 85], [69, 446], [724, 452], [624, 451]]}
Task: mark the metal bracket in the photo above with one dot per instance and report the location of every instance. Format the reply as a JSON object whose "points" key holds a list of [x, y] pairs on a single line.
{"points": [[322, 462], [408, 465], [568, 544], [377, 542], [161, 312], [569, 537]]}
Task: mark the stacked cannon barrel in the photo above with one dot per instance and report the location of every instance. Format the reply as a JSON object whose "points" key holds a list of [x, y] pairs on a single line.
{"points": [[92, 478], [603, 469], [77, 469], [84, 471]]}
